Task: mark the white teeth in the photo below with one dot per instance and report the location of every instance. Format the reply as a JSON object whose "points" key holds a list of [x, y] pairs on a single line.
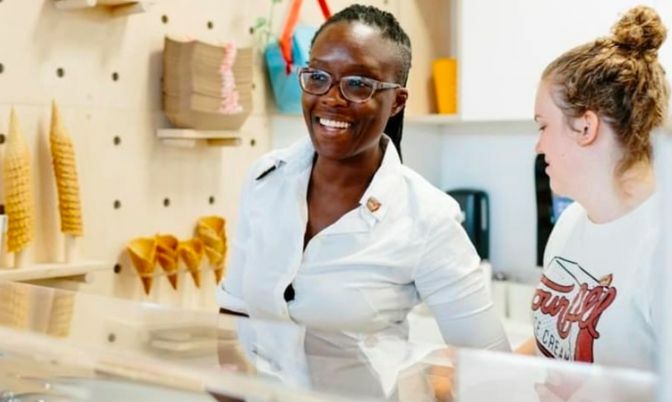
{"points": [[334, 123]]}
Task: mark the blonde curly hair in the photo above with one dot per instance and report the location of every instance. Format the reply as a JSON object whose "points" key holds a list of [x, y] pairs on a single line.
{"points": [[619, 78]]}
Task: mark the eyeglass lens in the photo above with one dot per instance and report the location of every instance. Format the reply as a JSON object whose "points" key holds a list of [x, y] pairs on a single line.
{"points": [[352, 88]]}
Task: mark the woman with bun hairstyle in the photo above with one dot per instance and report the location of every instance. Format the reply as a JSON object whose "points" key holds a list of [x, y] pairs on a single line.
{"points": [[599, 298]]}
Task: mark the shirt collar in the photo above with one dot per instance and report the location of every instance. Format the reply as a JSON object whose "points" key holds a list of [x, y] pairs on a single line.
{"points": [[380, 194], [298, 157]]}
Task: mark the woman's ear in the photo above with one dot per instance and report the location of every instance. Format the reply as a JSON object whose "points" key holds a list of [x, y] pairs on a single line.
{"points": [[588, 126], [400, 97]]}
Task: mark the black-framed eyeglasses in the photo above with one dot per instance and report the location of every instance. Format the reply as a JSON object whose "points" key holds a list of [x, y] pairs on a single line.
{"points": [[353, 88]]}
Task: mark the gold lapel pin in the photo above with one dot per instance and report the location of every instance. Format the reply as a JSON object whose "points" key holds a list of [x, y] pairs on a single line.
{"points": [[372, 204]]}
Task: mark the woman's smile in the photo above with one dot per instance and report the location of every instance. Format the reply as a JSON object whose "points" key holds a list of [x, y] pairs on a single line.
{"points": [[332, 127]]}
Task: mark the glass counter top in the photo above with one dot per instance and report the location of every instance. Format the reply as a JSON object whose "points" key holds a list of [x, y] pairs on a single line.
{"points": [[58, 345]]}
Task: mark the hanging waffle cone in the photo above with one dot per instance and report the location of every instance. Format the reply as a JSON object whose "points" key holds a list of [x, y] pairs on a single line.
{"points": [[211, 230], [166, 255], [18, 186], [191, 252], [65, 170], [14, 305], [60, 319], [216, 259], [142, 251]]}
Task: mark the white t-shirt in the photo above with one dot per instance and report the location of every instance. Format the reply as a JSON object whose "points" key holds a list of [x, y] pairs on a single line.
{"points": [[599, 298], [365, 272]]}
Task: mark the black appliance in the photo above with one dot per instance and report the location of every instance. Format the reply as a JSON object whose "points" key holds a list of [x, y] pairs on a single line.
{"points": [[549, 206], [475, 206], [544, 195]]}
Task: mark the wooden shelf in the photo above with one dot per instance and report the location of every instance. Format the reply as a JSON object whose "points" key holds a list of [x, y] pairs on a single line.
{"points": [[433, 119], [117, 7], [52, 270], [189, 137]]}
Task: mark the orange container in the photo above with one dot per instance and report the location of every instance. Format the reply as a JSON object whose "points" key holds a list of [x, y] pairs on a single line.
{"points": [[444, 71]]}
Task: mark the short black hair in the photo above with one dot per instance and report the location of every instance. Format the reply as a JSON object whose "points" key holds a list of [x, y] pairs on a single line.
{"points": [[389, 28]]}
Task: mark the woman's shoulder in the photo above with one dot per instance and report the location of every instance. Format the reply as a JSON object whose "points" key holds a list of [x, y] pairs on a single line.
{"points": [[297, 153], [428, 200], [571, 215]]}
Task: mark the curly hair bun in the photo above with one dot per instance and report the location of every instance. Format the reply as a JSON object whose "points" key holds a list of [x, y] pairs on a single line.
{"points": [[640, 30]]}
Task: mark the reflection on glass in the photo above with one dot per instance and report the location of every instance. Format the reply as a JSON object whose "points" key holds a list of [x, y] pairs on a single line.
{"points": [[523, 378], [98, 348]]}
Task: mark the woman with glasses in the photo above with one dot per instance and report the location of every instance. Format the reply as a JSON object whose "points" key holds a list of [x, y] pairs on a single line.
{"points": [[599, 299], [335, 233]]}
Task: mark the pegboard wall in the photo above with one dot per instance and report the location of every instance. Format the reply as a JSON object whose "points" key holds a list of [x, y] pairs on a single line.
{"points": [[105, 73]]}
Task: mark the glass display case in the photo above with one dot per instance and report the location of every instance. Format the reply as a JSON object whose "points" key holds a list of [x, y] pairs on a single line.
{"points": [[58, 345]]}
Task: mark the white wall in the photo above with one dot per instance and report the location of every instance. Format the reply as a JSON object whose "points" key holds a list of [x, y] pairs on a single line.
{"points": [[498, 158]]}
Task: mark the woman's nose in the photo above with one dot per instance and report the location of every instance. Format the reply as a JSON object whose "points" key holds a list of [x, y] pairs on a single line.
{"points": [[334, 96]]}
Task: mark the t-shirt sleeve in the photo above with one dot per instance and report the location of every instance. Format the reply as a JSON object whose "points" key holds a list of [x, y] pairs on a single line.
{"points": [[650, 297], [450, 281]]}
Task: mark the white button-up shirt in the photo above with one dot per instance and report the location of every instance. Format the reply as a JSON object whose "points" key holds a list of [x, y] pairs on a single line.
{"points": [[365, 272]]}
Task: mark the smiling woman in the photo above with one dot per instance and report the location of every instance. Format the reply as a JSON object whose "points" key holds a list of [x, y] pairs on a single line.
{"points": [[335, 233]]}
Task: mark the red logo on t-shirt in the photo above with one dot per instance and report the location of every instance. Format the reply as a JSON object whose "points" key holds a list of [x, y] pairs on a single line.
{"points": [[571, 302]]}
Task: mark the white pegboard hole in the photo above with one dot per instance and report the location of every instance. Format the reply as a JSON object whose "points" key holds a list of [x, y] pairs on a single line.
{"points": [[2, 136], [115, 76], [210, 25], [211, 200], [164, 19], [2, 66], [116, 204], [253, 142], [60, 72], [166, 202], [117, 140]]}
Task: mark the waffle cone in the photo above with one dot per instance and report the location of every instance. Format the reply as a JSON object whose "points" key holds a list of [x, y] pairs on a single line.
{"points": [[172, 278], [60, 319], [211, 230], [147, 282], [14, 306], [142, 251], [18, 188], [214, 222], [65, 170], [166, 255], [191, 252], [219, 273], [215, 257]]}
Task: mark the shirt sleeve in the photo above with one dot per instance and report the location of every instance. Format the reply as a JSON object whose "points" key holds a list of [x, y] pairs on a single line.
{"points": [[230, 291], [450, 281], [650, 297]]}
